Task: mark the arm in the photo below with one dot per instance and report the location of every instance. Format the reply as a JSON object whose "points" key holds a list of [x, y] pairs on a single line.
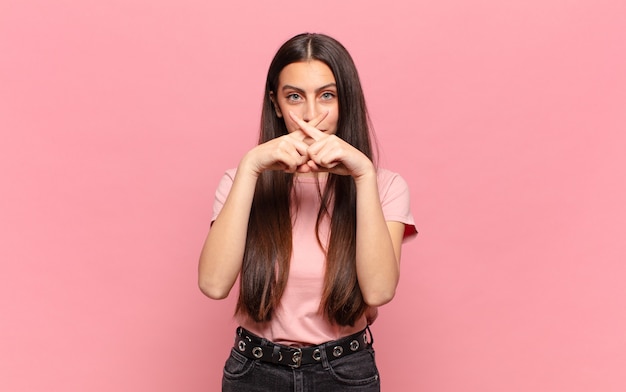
{"points": [[222, 254], [378, 245]]}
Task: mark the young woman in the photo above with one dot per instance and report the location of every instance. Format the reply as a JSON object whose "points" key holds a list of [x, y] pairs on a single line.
{"points": [[312, 228]]}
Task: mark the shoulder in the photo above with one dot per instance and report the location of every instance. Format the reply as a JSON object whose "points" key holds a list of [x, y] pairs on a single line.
{"points": [[228, 177], [386, 173], [396, 200], [230, 173], [225, 183], [390, 180]]}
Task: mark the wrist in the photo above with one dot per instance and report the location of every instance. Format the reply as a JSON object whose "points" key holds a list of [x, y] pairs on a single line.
{"points": [[365, 175], [248, 167]]}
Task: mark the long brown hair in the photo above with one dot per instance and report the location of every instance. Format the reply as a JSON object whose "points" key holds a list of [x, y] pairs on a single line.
{"points": [[269, 237]]}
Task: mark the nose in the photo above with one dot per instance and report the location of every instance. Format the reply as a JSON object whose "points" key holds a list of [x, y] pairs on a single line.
{"points": [[310, 111]]}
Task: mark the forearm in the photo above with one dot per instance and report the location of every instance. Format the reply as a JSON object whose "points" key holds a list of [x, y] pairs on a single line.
{"points": [[222, 254], [377, 256]]}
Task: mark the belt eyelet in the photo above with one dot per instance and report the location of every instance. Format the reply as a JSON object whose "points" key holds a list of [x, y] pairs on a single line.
{"points": [[317, 355], [257, 352], [296, 358], [337, 351], [354, 345], [241, 345]]}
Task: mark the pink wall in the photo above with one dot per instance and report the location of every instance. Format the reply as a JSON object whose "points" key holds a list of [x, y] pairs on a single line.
{"points": [[507, 118]]}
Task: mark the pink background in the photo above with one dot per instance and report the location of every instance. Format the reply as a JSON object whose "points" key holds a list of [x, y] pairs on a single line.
{"points": [[507, 118]]}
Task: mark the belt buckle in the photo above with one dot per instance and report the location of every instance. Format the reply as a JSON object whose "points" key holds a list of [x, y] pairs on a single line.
{"points": [[296, 358]]}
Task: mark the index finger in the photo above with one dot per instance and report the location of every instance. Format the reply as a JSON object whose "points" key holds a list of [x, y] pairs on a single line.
{"points": [[299, 142], [318, 120], [309, 129]]}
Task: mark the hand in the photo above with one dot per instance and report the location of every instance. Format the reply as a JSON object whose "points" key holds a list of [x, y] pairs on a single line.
{"points": [[331, 153], [287, 153]]}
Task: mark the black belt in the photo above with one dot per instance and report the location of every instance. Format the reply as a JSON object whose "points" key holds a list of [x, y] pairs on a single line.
{"points": [[255, 347]]}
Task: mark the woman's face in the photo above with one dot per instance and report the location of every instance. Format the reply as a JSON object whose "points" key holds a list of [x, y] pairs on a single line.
{"points": [[307, 89]]}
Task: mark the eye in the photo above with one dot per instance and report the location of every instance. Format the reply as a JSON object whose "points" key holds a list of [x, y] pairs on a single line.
{"points": [[294, 97], [327, 95]]}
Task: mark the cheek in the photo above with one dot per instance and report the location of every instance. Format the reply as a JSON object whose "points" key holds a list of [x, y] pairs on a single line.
{"points": [[291, 126], [332, 122]]}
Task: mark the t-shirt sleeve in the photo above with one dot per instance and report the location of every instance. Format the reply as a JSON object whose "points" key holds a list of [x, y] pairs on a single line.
{"points": [[222, 191], [396, 201]]}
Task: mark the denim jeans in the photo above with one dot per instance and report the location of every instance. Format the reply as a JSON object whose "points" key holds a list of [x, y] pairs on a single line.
{"points": [[354, 372]]}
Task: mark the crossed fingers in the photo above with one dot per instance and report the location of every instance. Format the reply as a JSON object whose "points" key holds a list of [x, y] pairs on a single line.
{"points": [[323, 156], [310, 128], [326, 152]]}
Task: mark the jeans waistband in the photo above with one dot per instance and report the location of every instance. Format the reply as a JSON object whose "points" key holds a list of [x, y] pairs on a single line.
{"points": [[257, 348]]}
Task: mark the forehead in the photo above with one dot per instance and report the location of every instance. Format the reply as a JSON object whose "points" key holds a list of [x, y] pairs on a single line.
{"points": [[305, 74]]}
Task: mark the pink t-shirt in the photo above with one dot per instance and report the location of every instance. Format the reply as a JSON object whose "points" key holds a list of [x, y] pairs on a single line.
{"points": [[297, 321]]}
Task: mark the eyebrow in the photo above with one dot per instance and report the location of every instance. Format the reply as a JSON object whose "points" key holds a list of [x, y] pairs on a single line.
{"points": [[324, 87]]}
